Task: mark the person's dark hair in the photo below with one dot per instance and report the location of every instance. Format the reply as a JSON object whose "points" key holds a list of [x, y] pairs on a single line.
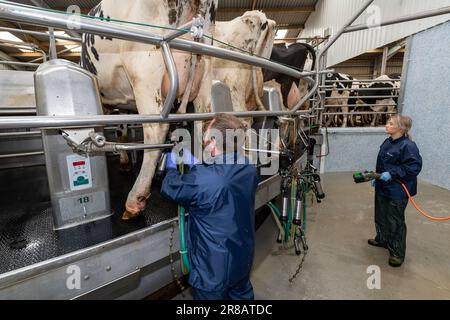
{"points": [[230, 127]]}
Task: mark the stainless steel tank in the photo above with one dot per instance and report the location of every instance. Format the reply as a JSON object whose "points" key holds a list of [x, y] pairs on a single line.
{"points": [[78, 182]]}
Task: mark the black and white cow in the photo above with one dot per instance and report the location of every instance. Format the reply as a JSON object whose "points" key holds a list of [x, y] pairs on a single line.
{"points": [[382, 95], [339, 95], [300, 56], [135, 73]]}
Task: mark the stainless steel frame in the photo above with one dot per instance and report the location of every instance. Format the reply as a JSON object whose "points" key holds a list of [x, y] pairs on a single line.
{"points": [[104, 272], [78, 121]]}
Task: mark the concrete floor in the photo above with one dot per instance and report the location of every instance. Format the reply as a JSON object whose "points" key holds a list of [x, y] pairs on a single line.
{"points": [[339, 256]]}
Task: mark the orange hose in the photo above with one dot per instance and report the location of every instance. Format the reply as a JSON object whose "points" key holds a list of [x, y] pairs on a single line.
{"points": [[418, 209]]}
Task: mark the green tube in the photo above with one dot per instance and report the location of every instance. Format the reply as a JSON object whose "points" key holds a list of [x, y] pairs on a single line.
{"points": [[185, 267], [276, 216]]}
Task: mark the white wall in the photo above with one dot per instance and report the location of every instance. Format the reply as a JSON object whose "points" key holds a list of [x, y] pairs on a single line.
{"points": [[427, 101], [333, 14], [351, 149]]}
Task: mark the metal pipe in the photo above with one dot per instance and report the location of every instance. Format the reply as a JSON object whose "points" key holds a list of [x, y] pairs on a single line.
{"points": [[417, 16], [23, 45], [325, 49], [355, 113], [356, 89], [174, 82], [52, 44], [37, 33], [82, 121], [17, 155], [26, 134], [373, 80], [19, 134], [365, 97], [132, 147], [27, 45], [23, 64], [58, 53], [359, 105], [181, 30], [30, 15]]}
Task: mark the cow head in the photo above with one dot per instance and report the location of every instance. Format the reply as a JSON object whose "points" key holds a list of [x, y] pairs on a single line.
{"points": [[260, 33]]}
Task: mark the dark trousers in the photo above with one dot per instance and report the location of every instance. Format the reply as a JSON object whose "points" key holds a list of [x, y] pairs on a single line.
{"points": [[241, 291], [390, 224]]}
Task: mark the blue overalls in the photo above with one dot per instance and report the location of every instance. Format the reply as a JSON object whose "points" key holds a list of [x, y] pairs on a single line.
{"points": [[401, 158], [220, 199]]}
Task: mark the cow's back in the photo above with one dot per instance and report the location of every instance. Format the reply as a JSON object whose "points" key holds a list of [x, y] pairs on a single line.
{"points": [[109, 59]]}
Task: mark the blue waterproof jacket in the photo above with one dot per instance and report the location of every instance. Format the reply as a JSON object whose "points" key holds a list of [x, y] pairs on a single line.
{"points": [[401, 158], [220, 200]]}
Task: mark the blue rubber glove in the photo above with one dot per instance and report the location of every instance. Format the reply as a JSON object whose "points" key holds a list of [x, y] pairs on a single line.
{"points": [[188, 159], [170, 164], [386, 176], [372, 183]]}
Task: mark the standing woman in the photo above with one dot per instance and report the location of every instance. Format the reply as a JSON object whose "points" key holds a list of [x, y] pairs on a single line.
{"points": [[398, 160]]}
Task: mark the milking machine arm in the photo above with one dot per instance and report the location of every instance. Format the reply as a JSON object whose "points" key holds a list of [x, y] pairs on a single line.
{"points": [[88, 141]]}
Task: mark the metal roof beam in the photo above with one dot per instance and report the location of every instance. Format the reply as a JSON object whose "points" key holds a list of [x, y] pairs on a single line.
{"points": [[6, 57], [270, 10], [21, 36], [290, 26]]}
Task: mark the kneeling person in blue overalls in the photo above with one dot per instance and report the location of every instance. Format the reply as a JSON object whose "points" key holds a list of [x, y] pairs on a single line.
{"points": [[219, 196]]}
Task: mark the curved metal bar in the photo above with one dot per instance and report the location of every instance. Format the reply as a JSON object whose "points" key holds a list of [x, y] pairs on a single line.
{"points": [[174, 82]]}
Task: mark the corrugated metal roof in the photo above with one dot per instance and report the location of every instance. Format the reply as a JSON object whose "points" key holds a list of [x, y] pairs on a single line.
{"points": [[332, 14], [235, 4], [283, 18], [61, 4]]}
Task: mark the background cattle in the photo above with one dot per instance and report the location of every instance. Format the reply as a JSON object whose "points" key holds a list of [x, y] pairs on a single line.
{"points": [[381, 94], [338, 95]]}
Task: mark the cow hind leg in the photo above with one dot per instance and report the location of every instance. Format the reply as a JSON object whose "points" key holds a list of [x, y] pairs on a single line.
{"points": [[121, 135], [146, 86], [345, 111], [138, 196]]}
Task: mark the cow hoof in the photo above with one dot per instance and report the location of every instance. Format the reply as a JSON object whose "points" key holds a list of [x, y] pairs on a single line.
{"points": [[127, 215]]}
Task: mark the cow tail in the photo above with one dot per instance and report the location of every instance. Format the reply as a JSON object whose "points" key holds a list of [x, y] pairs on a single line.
{"points": [[187, 92], [259, 103]]}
